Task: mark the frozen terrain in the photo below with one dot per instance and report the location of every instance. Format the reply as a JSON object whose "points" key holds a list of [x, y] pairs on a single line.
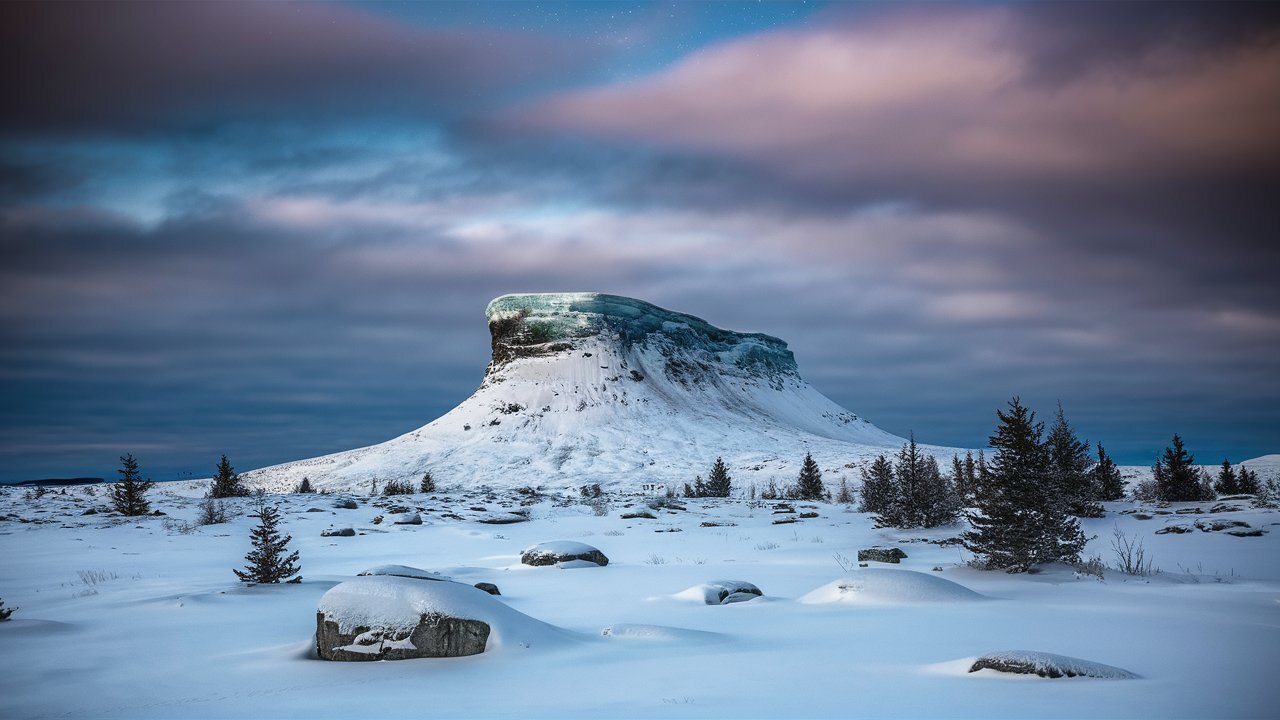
{"points": [[585, 384], [142, 618]]}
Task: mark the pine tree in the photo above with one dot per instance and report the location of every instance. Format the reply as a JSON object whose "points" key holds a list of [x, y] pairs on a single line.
{"points": [[1069, 465], [305, 486], [921, 495], [1227, 483], [877, 486], [1107, 478], [428, 483], [719, 484], [1247, 482], [268, 562], [129, 494], [845, 496], [5, 612], [965, 489], [226, 483], [1177, 478], [1019, 518], [809, 485], [959, 477]]}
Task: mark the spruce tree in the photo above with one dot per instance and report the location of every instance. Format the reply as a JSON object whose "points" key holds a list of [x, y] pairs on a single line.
{"points": [[1227, 482], [1177, 478], [844, 496], [970, 476], [268, 562], [877, 486], [1247, 482], [226, 483], [809, 485], [1069, 465], [428, 484], [719, 484], [129, 493], [1019, 518], [921, 496], [304, 487], [960, 476], [1107, 478]]}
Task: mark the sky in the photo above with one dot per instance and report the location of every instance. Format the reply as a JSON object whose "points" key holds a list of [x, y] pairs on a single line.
{"points": [[270, 229]]}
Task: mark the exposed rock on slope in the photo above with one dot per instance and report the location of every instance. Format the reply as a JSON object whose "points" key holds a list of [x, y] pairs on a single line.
{"points": [[585, 387]]}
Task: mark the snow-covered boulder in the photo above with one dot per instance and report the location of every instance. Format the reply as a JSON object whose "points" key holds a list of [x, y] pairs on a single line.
{"points": [[338, 532], [402, 571], [411, 518], [565, 553], [890, 587], [881, 554], [720, 592], [385, 617], [1046, 665], [488, 587]]}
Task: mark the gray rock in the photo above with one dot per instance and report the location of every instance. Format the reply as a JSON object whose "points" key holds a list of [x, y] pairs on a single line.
{"points": [[346, 504], [1216, 525], [407, 519], [738, 597], [338, 532], [488, 587], [1252, 532], [561, 551], [1173, 530], [1046, 665], [435, 636], [881, 554]]}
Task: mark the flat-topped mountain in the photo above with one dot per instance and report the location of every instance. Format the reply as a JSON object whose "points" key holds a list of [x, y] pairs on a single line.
{"points": [[592, 388]]}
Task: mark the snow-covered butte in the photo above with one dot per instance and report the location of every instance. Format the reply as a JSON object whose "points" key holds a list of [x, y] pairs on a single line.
{"points": [[594, 388]]}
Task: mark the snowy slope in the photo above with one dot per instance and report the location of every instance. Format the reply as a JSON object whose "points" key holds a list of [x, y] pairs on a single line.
{"points": [[585, 387]]}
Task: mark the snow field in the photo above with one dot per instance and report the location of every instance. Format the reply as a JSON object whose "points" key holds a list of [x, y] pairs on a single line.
{"points": [[161, 629]]}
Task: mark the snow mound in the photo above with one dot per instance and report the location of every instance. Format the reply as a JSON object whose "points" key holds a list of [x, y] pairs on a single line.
{"points": [[1047, 665], [873, 586], [397, 604], [716, 591], [562, 553], [658, 633], [402, 571]]}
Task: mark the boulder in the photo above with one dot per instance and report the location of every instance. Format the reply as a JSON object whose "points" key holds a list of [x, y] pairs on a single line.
{"points": [[488, 587], [1174, 530], [390, 618], [721, 592], [346, 504], [881, 554], [502, 519], [642, 515], [1251, 532], [562, 551], [406, 519], [338, 532], [1217, 525], [1046, 665]]}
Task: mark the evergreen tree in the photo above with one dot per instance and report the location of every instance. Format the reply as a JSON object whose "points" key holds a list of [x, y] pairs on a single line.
{"points": [[1227, 482], [845, 496], [268, 562], [305, 486], [877, 486], [226, 483], [1069, 465], [719, 484], [965, 490], [1020, 518], [129, 493], [1177, 478], [1107, 478], [809, 485], [1247, 482], [921, 496], [5, 612], [428, 483], [689, 491], [959, 477]]}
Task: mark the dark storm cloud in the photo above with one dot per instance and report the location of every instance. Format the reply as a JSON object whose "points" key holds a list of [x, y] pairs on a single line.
{"points": [[129, 65], [938, 207]]}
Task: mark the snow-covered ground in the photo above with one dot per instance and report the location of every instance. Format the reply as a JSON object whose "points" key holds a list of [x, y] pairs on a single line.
{"points": [[135, 618]]}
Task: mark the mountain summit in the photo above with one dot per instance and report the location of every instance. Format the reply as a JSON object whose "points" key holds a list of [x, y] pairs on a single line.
{"points": [[593, 388]]}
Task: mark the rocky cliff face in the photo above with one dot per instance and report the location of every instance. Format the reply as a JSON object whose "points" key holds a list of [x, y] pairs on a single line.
{"points": [[586, 388]]}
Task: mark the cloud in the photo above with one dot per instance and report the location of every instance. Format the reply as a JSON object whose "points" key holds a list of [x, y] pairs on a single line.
{"points": [[137, 66]]}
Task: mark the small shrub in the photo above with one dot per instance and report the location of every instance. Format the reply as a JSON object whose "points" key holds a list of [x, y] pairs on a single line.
{"points": [[767, 546], [1094, 567], [181, 527], [397, 487], [212, 512], [656, 559], [5, 613], [1131, 557], [304, 487], [428, 484], [92, 578]]}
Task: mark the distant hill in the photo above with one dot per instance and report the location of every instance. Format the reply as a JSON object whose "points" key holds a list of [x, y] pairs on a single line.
{"points": [[62, 482]]}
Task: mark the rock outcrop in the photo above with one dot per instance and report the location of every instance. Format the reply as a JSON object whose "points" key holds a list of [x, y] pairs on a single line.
{"points": [[560, 552]]}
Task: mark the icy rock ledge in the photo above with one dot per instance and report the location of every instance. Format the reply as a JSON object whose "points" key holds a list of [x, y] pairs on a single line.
{"points": [[1047, 665], [565, 553]]}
